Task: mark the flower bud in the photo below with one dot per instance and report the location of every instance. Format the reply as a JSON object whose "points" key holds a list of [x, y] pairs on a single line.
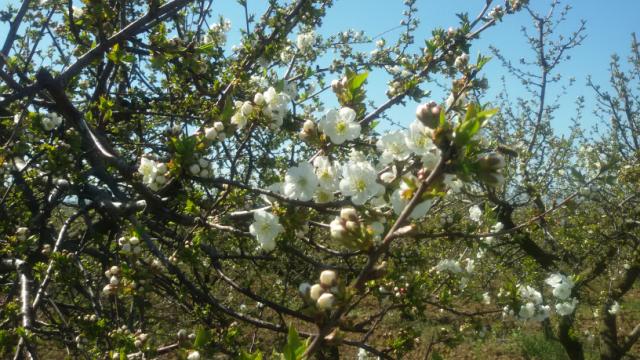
{"points": [[194, 355], [308, 130], [429, 114], [141, 204], [134, 240], [328, 278], [492, 161], [210, 133], [219, 126], [337, 229], [325, 301], [258, 99], [194, 169], [336, 86], [461, 62], [349, 214], [62, 184], [246, 108], [315, 291], [352, 226], [182, 334], [304, 289]]}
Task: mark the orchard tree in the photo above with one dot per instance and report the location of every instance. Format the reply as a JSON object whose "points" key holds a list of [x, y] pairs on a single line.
{"points": [[578, 189], [165, 192]]}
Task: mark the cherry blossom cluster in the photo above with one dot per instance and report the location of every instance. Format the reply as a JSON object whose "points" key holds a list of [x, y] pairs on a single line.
{"points": [[562, 287], [532, 307], [218, 33], [130, 245], [51, 121], [305, 41], [154, 173]]}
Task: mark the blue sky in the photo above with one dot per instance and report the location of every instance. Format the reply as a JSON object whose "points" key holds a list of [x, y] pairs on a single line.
{"points": [[609, 25], [609, 28]]}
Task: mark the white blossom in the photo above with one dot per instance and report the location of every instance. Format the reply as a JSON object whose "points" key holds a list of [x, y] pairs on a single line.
{"points": [[448, 265], [393, 147], [419, 141], [475, 213], [305, 41], [275, 106], [300, 182], [327, 173], [266, 228], [340, 126], [359, 182], [51, 121], [614, 308], [401, 197], [567, 307], [561, 285]]}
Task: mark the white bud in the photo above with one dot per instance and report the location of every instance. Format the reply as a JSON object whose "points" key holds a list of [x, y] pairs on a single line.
{"points": [[194, 355], [304, 289], [315, 291], [325, 301], [194, 169], [349, 214], [258, 99], [210, 133], [328, 278]]}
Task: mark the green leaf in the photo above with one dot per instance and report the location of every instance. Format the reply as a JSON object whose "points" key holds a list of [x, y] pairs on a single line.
{"points": [[114, 55], [202, 337], [246, 356], [358, 80], [294, 348]]}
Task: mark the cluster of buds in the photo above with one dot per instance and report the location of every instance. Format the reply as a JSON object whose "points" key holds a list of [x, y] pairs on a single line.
{"points": [[114, 281], [429, 114], [461, 62], [323, 293], [51, 121], [184, 336], [215, 132], [309, 131], [90, 317], [490, 169], [140, 339], [130, 245], [516, 5], [496, 13], [395, 87], [338, 86], [201, 168], [346, 227]]}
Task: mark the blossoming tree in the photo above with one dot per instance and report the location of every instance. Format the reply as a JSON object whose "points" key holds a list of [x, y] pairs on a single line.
{"points": [[165, 193]]}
